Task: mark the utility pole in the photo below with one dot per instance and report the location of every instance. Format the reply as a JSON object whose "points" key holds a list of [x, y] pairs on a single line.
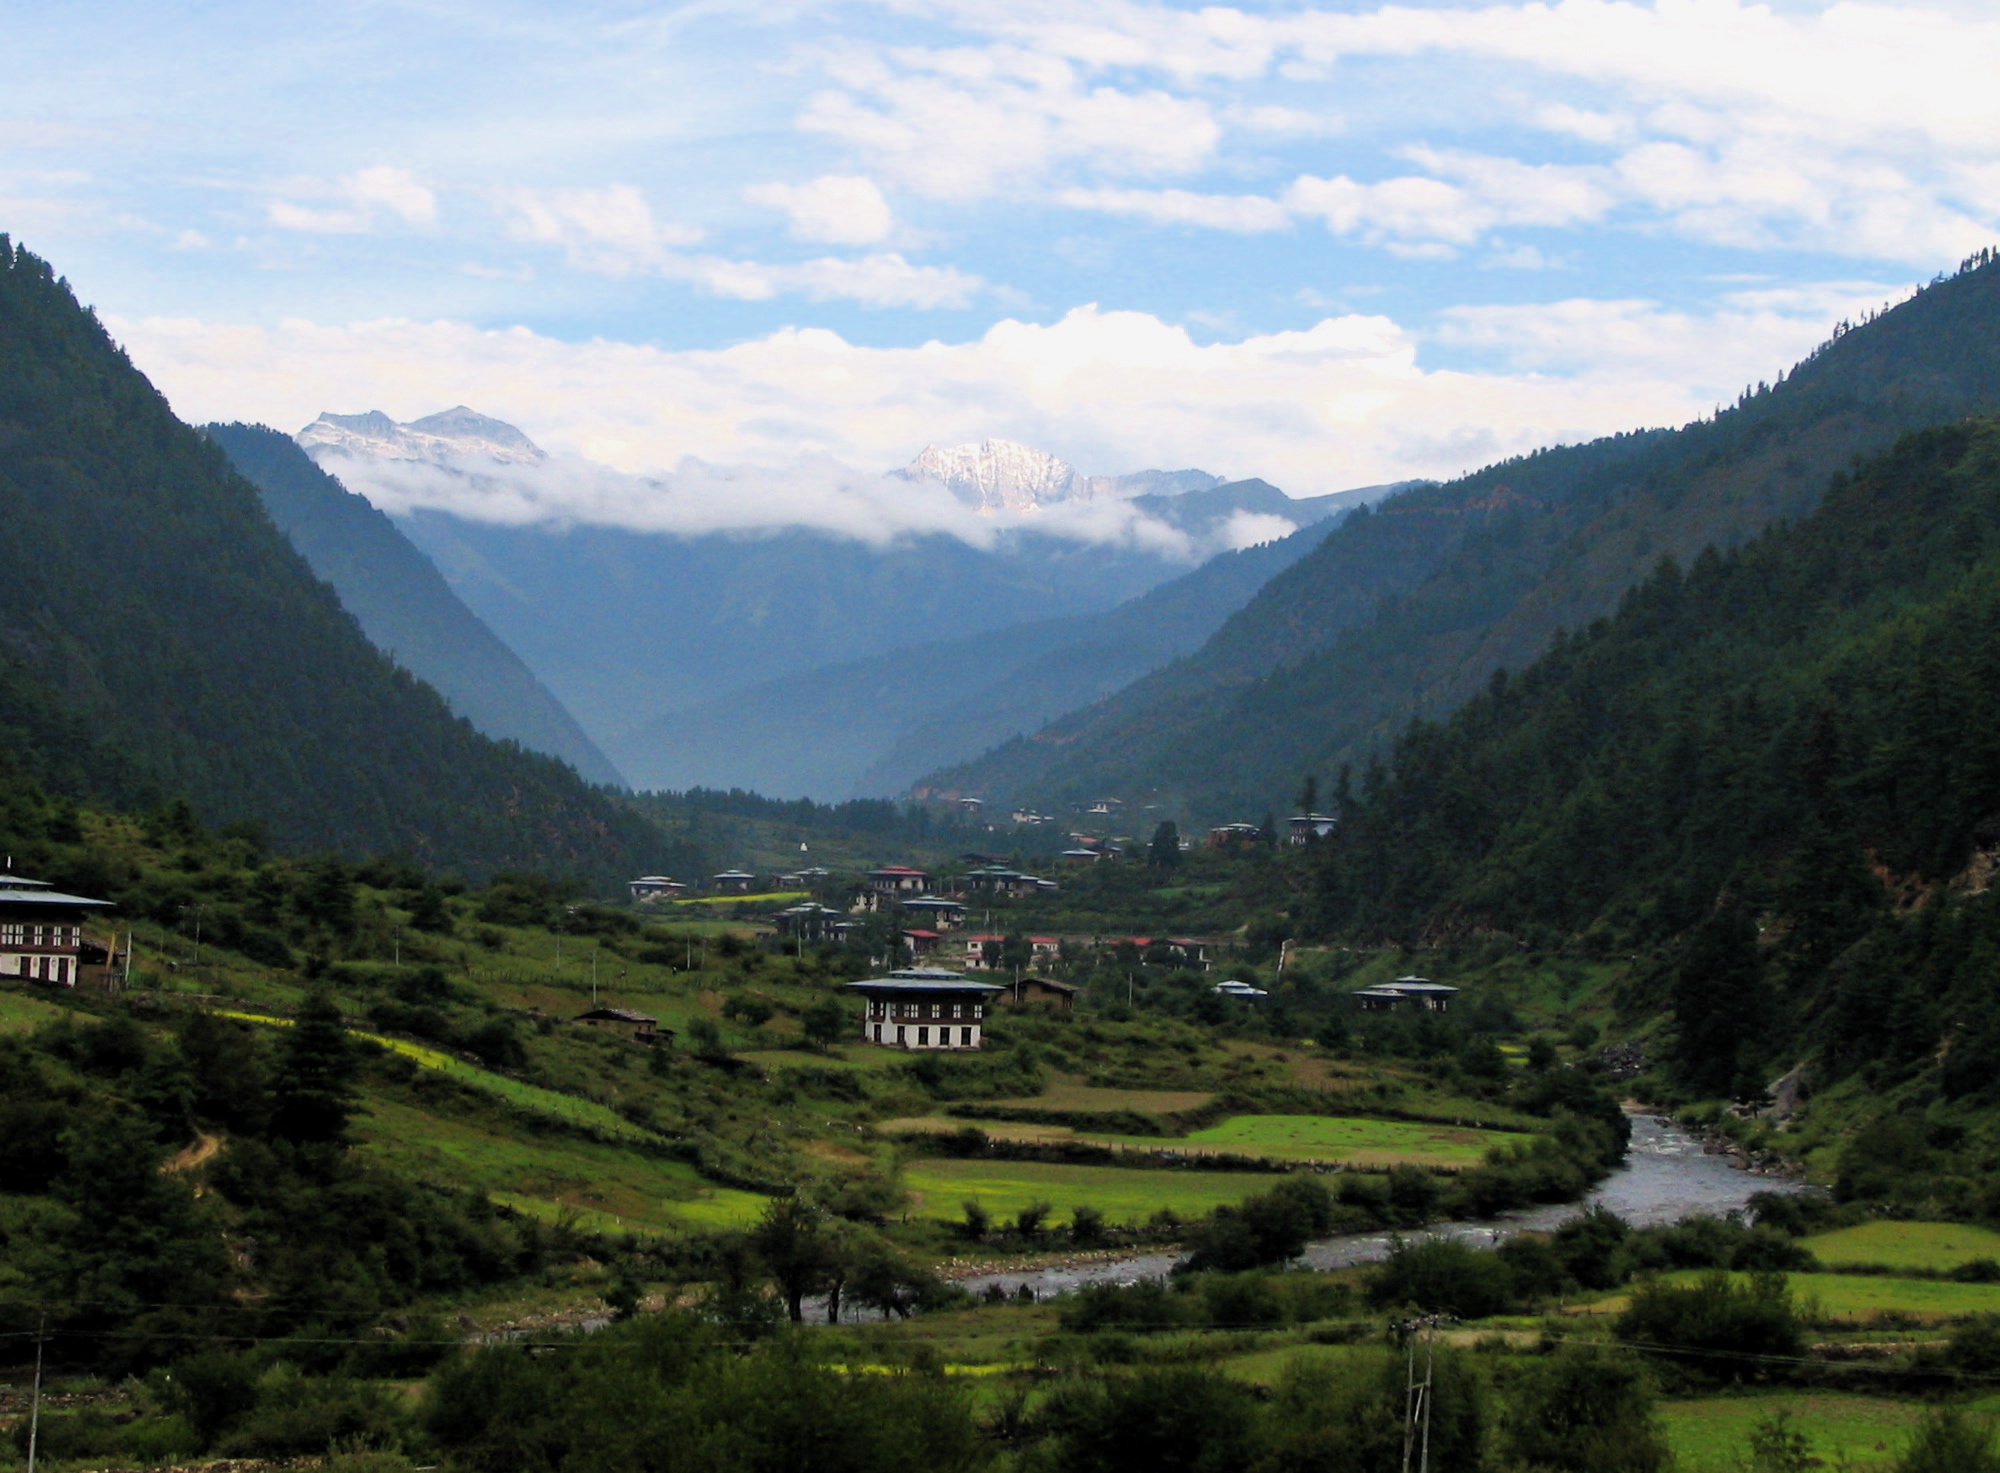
{"points": [[1418, 1395], [35, 1407]]}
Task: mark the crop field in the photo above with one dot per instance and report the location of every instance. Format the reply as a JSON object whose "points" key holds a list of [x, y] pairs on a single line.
{"points": [[1935, 1246], [1026, 1131], [604, 1186], [1713, 1435], [1069, 1095], [1864, 1296], [1354, 1141], [1122, 1195], [20, 1013]]}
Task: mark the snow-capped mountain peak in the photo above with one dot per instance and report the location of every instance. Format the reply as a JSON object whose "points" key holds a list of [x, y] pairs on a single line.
{"points": [[454, 434], [998, 475]]}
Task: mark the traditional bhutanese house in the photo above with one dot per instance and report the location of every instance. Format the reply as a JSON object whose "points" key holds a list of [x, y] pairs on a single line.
{"points": [[984, 951], [971, 805], [1232, 835], [810, 922], [651, 889], [638, 1027], [1420, 993], [921, 943], [1045, 948], [996, 879], [945, 915], [898, 879], [1081, 856], [924, 1008], [803, 879], [41, 931], [1307, 827], [1057, 997], [733, 882]]}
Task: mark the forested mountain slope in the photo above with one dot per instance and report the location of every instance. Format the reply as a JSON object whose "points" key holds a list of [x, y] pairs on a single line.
{"points": [[158, 636], [868, 727], [1411, 609], [402, 601], [1779, 772]]}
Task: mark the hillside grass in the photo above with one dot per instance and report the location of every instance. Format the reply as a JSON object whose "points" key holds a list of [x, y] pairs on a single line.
{"points": [[1355, 1142], [1936, 1247], [20, 1013], [603, 1186], [1712, 1435], [1003, 1188], [1858, 1297]]}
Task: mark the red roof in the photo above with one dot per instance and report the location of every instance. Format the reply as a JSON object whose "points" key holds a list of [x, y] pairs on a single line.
{"points": [[922, 935], [898, 869]]}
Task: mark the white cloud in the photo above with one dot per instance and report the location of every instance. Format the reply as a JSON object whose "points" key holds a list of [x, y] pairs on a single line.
{"points": [[612, 231], [1243, 213], [1346, 402], [360, 200], [836, 209]]}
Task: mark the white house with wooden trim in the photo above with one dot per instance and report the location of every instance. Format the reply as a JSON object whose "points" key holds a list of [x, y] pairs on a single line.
{"points": [[41, 931], [924, 1008]]}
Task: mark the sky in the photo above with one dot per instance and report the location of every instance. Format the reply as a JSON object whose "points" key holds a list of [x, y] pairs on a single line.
{"points": [[1326, 244]]}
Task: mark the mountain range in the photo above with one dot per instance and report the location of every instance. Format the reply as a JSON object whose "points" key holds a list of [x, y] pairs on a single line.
{"points": [[1411, 609], [685, 656]]}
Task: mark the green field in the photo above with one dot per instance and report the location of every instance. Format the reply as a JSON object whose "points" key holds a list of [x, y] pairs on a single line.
{"points": [[1864, 1296], [608, 1188], [1937, 1247], [1005, 1187], [20, 1013], [1073, 1096], [1713, 1435], [1354, 1141]]}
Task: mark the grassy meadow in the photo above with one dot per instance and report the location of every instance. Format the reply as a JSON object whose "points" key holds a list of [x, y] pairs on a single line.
{"points": [[1003, 1188], [1931, 1247]]}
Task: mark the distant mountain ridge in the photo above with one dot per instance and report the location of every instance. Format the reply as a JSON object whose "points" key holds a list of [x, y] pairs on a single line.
{"points": [[403, 603], [1410, 609], [1005, 475], [629, 627], [452, 434]]}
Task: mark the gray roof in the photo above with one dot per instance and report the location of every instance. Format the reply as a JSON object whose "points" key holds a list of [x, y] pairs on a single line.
{"points": [[619, 1015], [20, 890], [925, 979]]}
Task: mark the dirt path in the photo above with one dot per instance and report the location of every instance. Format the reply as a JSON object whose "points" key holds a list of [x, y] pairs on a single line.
{"points": [[188, 1157]]}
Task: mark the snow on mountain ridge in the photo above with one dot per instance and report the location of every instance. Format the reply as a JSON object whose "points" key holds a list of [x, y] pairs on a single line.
{"points": [[452, 434], [1005, 475]]}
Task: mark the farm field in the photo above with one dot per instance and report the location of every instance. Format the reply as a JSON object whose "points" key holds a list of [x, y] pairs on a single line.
{"points": [[1122, 1195], [608, 1188], [1071, 1095], [20, 1013], [1358, 1142], [1353, 1141], [1713, 1435], [1935, 1246], [1862, 1296]]}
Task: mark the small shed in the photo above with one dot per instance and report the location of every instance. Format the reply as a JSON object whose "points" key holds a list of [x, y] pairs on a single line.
{"points": [[1057, 997], [638, 1027]]}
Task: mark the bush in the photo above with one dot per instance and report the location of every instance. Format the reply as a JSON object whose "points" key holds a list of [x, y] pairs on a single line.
{"points": [[1267, 1228], [1584, 1410], [1443, 1276], [1717, 1326]]}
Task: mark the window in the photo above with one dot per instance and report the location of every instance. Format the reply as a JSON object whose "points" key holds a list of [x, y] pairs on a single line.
{"points": [[965, 1038], [978, 1011], [955, 1009], [10, 935], [937, 1010], [923, 1038]]}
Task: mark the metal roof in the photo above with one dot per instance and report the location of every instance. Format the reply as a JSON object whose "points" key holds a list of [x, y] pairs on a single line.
{"points": [[622, 1015], [19, 890], [925, 979]]}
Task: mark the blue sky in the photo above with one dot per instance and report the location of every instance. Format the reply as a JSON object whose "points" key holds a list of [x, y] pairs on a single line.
{"points": [[1326, 244]]}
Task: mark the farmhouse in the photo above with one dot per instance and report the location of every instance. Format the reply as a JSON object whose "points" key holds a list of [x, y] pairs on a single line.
{"points": [[921, 943], [1422, 995], [734, 882], [1057, 997], [1234, 835], [995, 879], [651, 889], [898, 879], [924, 1008], [810, 922], [41, 931], [1306, 827], [945, 915], [625, 1023]]}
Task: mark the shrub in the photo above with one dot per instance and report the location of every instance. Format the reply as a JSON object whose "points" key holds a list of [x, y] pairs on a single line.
{"points": [[1584, 1410], [1717, 1325], [1443, 1276]]}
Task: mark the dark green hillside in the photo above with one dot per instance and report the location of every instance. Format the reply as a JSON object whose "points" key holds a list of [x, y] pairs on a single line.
{"points": [[1777, 772], [160, 637], [1411, 609], [402, 601]]}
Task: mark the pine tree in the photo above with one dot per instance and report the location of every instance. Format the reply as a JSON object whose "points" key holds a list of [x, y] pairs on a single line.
{"points": [[313, 1093]]}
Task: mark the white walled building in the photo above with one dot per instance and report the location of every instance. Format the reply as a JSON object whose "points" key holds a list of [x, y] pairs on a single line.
{"points": [[924, 1008]]}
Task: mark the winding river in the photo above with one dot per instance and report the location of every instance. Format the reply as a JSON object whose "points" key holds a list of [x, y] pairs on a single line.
{"points": [[1666, 1175]]}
